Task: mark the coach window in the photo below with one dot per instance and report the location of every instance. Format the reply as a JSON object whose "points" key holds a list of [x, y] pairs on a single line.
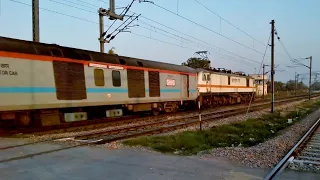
{"points": [[98, 77], [116, 79]]}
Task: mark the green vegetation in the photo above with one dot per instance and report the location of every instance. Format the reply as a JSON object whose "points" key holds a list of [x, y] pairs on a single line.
{"points": [[195, 62], [245, 134]]}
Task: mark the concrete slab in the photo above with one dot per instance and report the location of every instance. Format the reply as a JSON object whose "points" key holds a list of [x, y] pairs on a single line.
{"points": [[99, 163]]}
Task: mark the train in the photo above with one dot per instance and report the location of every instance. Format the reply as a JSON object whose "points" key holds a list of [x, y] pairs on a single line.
{"points": [[48, 84]]}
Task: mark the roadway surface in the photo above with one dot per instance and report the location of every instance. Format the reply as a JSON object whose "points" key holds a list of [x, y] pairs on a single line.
{"points": [[102, 163]]}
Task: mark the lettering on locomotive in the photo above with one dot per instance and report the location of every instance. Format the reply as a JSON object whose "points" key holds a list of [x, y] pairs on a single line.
{"points": [[235, 80], [5, 70]]}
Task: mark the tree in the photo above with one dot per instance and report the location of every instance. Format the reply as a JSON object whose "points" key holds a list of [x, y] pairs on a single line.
{"points": [[316, 86], [111, 51], [290, 85], [195, 62]]}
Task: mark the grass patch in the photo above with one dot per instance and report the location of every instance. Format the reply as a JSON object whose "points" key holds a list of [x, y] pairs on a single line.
{"points": [[245, 134]]}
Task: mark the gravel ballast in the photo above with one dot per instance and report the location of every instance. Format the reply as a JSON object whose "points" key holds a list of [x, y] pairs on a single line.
{"points": [[267, 154]]}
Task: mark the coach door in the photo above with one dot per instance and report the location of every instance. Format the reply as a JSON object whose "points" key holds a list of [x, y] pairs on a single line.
{"points": [[184, 86]]}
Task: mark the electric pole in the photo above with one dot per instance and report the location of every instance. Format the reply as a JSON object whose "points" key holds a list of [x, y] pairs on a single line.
{"points": [[295, 83], [112, 16], [101, 27], [310, 68], [272, 66], [35, 21], [263, 74]]}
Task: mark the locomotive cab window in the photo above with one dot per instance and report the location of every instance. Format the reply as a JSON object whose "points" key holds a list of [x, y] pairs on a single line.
{"points": [[228, 80], [208, 77], [247, 82], [98, 77], [116, 79], [204, 77]]}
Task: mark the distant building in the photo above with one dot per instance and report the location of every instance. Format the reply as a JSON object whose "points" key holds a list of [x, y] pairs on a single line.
{"points": [[259, 83]]}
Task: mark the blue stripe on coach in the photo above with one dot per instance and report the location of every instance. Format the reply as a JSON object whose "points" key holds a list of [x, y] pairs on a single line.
{"points": [[27, 90], [107, 90], [89, 90]]}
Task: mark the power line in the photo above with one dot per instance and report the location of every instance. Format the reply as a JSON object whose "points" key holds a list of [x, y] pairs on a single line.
{"points": [[80, 4], [88, 3], [204, 27], [230, 23], [230, 58], [86, 20], [287, 52], [180, 32], [71, 6], [225, 56], [165, 26]]}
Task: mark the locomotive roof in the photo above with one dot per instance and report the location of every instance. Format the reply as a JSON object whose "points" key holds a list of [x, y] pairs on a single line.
{"points": [[29, 47], [221, 73]]}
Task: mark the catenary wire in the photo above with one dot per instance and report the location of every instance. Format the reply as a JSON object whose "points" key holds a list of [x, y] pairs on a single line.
{"points": [[174, 30]]}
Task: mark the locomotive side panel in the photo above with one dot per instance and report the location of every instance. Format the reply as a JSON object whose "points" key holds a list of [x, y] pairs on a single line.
{"points": [[224, 83]]}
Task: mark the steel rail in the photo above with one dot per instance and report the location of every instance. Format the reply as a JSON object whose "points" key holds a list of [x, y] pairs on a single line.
{"points": [[289, 156]]}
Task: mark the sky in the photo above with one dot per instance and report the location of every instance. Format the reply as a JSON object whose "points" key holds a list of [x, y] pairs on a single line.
{"points": [[234, 32]]}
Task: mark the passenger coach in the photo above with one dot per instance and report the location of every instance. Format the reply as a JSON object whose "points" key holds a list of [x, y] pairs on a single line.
{"points": [[46, 84]]}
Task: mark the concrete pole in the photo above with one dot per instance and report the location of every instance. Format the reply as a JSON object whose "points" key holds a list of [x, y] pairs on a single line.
{"points": [[310, 68], [101, 27], [35, 21], [272, 66], [263, 72]]}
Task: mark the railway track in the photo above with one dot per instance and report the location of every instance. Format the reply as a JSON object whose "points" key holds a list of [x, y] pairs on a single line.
{"points": [[305, 155], [108, 122], [164, 126]]}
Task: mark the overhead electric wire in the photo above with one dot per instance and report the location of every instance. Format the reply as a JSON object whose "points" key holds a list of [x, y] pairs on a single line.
{"points": [[204, 27], [85, 2], [86, 20], [180, 32], [125, 10], [287, 52], [71, 6], [230, 57], [264, 54], [233, 25], [169, 28], [72, 2], [195, 43], [229, 23]]}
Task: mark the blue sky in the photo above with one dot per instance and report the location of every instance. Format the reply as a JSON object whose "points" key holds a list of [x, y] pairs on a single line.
{"points": [[297, 24]]}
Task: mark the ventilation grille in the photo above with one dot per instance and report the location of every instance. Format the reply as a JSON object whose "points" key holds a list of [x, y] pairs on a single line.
{"points": [[154, 84], [69, 80], [136, 87]]}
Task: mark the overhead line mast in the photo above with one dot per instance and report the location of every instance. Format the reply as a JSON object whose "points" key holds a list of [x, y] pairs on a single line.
{"points": [[112, 16], [35, 21]]}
